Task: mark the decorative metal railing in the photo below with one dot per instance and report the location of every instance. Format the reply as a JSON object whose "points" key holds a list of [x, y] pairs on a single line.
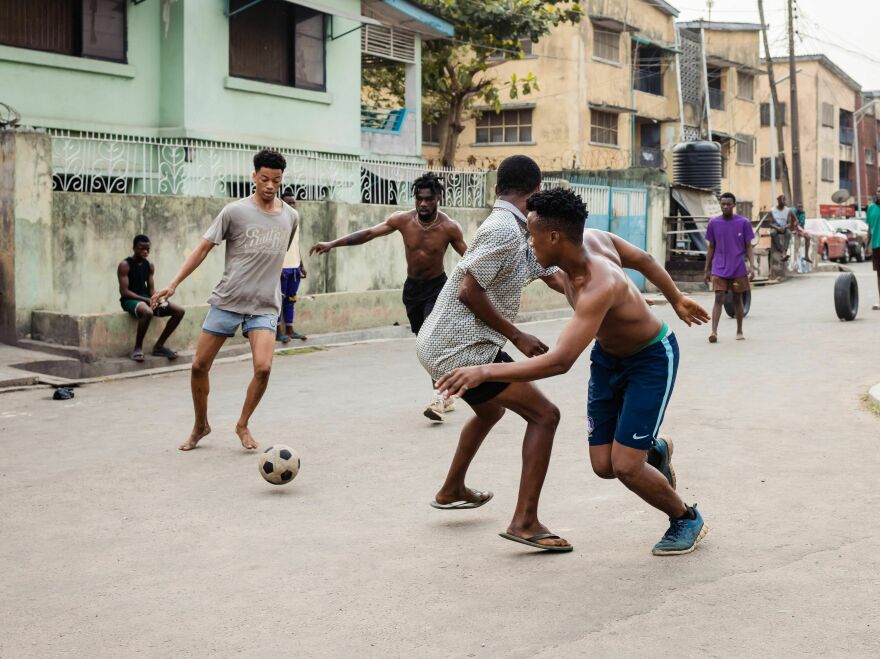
{"points": [[115, 163]]}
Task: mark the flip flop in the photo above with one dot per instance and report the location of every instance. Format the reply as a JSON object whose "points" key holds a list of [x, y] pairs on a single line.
{"points": [[533, 541], [137, 355], [464, 505], [297, 335], [283, 338], [164, 352]]}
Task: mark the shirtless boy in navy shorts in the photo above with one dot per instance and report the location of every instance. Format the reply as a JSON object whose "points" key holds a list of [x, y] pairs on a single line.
{"points": [[634, 360]]}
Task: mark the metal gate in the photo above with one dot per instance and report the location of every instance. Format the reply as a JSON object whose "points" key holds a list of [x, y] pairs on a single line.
{"points": [[622, 211]]}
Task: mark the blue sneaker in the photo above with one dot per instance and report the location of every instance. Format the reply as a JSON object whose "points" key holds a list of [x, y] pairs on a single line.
{"points": [[660, 457], [682, 537]]}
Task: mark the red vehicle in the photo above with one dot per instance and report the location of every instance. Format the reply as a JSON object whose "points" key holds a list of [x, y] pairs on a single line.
{"points": [[831, 244]]}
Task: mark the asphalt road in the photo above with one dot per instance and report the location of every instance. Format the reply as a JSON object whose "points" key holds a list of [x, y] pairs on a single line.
{"points": [[113, 543]]}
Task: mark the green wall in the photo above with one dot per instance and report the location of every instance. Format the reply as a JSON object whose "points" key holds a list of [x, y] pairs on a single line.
{"points": [[176, 84]]}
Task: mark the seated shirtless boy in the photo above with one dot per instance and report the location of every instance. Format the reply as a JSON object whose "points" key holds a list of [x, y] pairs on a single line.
{"points": [[633, 363]]}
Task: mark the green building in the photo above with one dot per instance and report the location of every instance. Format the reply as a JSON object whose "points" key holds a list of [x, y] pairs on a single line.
{"points": [[173, 96]]}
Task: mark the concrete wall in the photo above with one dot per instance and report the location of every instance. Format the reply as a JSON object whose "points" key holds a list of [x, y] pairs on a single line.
{"points": [[176, 84], [92, 233], [25, 228]]}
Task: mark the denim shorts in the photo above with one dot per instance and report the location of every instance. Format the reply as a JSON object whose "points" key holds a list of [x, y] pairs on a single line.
{"points": [[220, 322]]}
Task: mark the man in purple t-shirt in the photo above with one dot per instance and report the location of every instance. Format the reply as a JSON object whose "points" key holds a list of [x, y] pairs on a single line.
{"points": [[730, 240]]}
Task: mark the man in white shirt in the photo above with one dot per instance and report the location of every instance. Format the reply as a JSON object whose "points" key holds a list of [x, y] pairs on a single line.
{"points": [[782, 220], [292, 273]]}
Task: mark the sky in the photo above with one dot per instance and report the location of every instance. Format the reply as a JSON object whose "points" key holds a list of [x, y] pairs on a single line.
{"points": [[845, 31]]}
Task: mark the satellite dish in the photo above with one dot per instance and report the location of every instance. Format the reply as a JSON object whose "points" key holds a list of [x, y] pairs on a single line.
{"points": [[841, 196]]}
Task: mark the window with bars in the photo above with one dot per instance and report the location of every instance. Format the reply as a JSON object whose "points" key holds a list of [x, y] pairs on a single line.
{"points": [[430, 133], [81, 28], [603, 127], [278, 42], [828, 115], [606, 44], [745, 150], [745, 86], [869, 156], [765, 114], [828, 169], [744, 208], [505, 127], [765, 168]]}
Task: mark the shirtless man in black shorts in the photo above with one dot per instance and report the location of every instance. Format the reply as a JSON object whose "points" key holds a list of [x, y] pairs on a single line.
{"points": [[426, 232]]}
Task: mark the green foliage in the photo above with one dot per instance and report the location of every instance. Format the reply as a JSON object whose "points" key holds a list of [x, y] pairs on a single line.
{"points": [[456, 74], [383, 86]]}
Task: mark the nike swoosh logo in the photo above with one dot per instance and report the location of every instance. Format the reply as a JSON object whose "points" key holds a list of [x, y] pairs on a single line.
{"points": [[635, 436]]}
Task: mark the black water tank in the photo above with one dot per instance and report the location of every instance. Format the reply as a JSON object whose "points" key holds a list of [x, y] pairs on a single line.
{"points": [[697, 164]]}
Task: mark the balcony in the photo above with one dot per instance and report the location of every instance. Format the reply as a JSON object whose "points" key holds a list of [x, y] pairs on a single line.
{"points": [[846, 135], [651, 156], [716, 98], [382, 120]]}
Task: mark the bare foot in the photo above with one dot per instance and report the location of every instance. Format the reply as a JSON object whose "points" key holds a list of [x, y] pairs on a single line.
{"points": [[247, 440], [713, 338], [537, 529], [740, 336], [194, 437], [465, 494]]}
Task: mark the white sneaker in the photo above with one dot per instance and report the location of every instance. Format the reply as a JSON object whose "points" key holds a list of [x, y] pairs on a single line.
{"points": [[449, 405], [435, 408]]}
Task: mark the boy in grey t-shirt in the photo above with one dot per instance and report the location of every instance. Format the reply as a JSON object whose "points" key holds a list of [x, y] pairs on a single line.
{"points": [[257, 230]]}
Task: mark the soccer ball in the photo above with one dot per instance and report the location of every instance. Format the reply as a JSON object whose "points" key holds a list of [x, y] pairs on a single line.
{"points": [[279, 464]]}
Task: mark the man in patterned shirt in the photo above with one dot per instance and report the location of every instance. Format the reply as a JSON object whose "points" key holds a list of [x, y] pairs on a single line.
{"points": [[472, 320]]}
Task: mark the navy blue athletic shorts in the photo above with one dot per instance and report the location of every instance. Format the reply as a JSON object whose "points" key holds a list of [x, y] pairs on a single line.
{"points": [[628, 395]]}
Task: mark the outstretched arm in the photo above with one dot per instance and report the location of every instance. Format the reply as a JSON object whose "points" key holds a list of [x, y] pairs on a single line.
{"points": [[356, 238], [638, 259], [193, 261], [574, 339]]}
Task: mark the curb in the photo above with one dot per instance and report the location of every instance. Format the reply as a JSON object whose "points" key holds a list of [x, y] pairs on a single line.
{"points": [[874, 394]]}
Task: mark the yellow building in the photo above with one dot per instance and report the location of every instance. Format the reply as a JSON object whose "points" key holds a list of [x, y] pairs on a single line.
{"points": [[729, 77], [608, 95], [827, 98]]}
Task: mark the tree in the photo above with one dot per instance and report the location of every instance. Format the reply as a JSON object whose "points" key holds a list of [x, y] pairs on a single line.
{"points": [[457, 73]]}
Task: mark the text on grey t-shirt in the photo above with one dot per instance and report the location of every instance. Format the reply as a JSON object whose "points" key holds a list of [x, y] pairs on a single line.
{"points": [[256, 242]]}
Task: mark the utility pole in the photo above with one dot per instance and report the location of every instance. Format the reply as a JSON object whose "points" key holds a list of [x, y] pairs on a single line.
{"points": [[774, 109], [795, 128], [706, 82]]}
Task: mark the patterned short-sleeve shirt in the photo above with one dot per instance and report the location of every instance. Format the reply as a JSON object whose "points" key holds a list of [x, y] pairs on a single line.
{"points": [[501, 260]]}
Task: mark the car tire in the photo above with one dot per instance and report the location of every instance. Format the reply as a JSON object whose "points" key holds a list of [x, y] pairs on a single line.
{"points": [[860, 255], [825, 252], [846, 296], [731, 310], [845, 257]]}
